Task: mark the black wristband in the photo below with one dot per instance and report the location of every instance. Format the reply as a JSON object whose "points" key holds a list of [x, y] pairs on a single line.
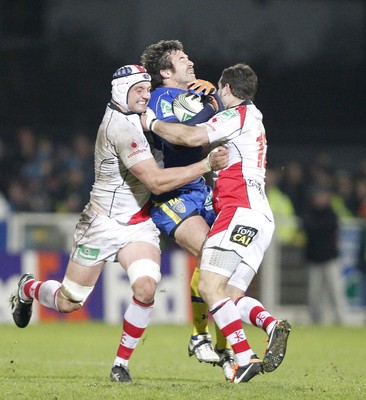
{"points": [[151, 126]]}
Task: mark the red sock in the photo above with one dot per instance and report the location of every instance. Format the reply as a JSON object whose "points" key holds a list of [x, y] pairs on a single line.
{"points": [[261, 318], [227, 318], [136, 319], [253, 312], [31, 289]]}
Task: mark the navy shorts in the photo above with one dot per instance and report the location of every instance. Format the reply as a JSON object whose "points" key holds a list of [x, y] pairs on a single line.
{"points": [[168, 212]]}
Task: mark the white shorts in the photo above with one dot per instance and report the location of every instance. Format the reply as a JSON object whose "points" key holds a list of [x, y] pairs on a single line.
{"points": [[237, 240], [99, 238]]}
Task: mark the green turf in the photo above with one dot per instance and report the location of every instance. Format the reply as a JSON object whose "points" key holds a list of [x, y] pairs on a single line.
{"points": [[72, 361]]}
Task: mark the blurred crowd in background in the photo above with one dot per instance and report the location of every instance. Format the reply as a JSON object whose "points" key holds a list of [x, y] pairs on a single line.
{"points": [[291, 187], [39, 174]]}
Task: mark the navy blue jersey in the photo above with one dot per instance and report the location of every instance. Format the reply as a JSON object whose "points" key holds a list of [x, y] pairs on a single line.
{"points": [[194, 198], [177, 156], [174, 156]]}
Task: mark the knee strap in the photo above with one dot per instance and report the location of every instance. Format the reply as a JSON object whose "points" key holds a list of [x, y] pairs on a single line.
{"points": [[144, 267], [74, 292]]}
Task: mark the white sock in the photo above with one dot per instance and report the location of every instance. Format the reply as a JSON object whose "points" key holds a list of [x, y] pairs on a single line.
{"points": [[47, 294], [120, 361]]}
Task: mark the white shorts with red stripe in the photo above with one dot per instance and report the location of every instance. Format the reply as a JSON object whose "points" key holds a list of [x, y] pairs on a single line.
{"points": [[238, 239], [98, 238]]}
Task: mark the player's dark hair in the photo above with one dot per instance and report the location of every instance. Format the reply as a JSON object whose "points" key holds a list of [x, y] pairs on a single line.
{"points": [[156, 57], [242, 80]]}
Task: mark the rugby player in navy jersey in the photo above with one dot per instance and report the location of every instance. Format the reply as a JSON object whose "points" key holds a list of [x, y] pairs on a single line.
{"points": [[186, 214]]}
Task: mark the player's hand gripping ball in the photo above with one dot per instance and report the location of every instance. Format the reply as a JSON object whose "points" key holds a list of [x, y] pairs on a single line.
{"points": [[186, 105], [199, 85]]}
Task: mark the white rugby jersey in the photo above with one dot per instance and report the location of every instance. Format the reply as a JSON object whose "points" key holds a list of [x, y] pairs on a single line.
{"points": [[120, 144], [241, 184]]}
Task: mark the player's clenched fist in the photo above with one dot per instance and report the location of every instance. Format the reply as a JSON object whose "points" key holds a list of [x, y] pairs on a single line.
{"points": [[218, 158]]}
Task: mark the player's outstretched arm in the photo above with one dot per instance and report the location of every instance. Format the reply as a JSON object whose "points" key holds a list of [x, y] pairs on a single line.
{"points": [[159, 180], [190, 136]]}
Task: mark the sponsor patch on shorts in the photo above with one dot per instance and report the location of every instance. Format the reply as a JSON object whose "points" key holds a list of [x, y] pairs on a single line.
{"points": [[88, 253], [243, 235], [208, 202]]}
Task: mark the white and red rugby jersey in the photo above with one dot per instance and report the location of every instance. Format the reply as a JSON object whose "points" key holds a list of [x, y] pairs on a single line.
{"points": [[241, 184], [120, 144]]}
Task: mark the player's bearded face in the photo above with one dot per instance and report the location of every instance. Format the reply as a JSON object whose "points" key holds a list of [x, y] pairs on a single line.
{"points": [[183, 71], [139, 96]]}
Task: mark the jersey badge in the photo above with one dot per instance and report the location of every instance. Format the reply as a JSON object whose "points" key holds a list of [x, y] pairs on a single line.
{"points": [[166, 109], [228, 114], [177, 205]]}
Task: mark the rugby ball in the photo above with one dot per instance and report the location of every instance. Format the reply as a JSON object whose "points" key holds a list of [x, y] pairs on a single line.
{"points": [[186, 105]]}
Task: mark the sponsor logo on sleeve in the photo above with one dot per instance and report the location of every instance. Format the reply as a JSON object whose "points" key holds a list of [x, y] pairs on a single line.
{"points": [[166, 109], [138, 147]]}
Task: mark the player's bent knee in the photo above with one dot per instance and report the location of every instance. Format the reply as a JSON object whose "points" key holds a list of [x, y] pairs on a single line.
{"points": [[144, 289], [144, 268], [74, 294]]}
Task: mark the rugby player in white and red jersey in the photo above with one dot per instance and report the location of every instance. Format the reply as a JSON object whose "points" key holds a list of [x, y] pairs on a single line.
{"points": [[244, 225], [116, 224]]}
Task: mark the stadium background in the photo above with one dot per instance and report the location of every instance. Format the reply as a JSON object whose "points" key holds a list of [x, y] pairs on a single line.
{"points": [[56, 63]]}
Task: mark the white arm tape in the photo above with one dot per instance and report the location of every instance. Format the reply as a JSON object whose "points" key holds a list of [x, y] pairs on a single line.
{"points": [[143, 267]]}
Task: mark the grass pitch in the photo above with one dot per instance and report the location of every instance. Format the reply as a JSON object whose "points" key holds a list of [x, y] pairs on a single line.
{"points": [[72, 361]]}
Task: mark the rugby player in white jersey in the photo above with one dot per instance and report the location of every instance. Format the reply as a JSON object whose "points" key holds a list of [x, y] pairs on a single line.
{"points": [[244, 225], [116, 225]]}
